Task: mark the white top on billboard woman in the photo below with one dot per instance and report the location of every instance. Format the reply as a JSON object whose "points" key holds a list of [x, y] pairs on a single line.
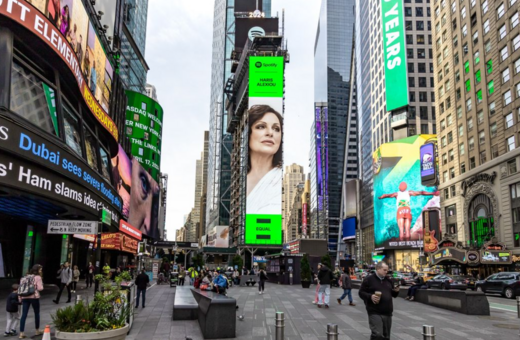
{"points": [[264, 176]]}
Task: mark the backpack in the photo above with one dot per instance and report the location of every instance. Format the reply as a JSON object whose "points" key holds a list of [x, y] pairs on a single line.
{"points": [[26, 287], [196, 284]]}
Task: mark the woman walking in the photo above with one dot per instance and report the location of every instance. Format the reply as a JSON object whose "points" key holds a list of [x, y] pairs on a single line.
{"points": [[75, 278], [261, 283], [90, 274], [34, 279]]}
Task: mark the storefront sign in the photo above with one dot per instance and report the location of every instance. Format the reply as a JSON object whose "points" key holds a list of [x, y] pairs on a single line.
{"points": [[446, 244], [128, 229], [111, 241], [71, 227], [259, 259], [88, 238], [473, 257], [448, 254], [477, 178], [495, 257], [515, 258], [28, 16], [129, 244]]}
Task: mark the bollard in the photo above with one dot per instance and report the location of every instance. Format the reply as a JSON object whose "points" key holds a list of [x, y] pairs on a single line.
{"points": [[428, 332], [280, 324], [79, 298], [518, 306], [332, 331]]}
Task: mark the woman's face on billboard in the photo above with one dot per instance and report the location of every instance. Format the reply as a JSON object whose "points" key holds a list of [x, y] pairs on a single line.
{"points": [[266, 135]]}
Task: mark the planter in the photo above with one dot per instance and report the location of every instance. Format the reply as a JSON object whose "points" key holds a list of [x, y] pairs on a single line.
{"points": [[116, 334], [306, 284]]}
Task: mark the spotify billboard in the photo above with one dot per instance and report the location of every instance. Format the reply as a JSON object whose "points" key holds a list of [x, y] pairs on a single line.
{"points": [[394, 47], [264, 138]]}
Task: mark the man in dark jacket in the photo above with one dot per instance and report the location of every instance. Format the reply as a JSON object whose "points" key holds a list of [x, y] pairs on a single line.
{"points": [[324, 279], [141, 282], [346, 284], [377, 292]]}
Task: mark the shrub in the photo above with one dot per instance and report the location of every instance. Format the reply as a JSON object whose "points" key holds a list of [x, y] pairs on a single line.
{"points": [[305, 268]]}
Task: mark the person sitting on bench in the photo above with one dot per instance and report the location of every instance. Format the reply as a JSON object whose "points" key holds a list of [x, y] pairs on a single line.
{"points": [[220, 283], [418, 283]]}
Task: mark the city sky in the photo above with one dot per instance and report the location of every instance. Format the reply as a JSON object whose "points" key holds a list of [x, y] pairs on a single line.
{"points": [[178, 51]]}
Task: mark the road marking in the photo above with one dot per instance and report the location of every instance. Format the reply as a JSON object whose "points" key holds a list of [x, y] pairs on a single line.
{"points": [[494, 306]]}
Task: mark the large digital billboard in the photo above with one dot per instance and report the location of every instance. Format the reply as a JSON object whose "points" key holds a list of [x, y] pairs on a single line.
{"points": [[144, 128], [249, 28], [399, 196], [263, 223], [394, 50], [64, 26]]}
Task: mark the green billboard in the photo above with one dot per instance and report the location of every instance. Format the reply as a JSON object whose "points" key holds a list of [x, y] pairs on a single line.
{"points": [[394, 46], [144, 129], [263, 137]]}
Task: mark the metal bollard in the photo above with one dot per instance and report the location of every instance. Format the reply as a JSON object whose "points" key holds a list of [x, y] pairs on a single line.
{"points": [[518, 306], [79, 298], [428, 332], [280, 325], [332, 331]]}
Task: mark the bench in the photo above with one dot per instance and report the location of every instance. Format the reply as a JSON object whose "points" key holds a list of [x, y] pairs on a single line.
{"points": [[185, 307], [216, 314], [248, 280], [461, 301]]}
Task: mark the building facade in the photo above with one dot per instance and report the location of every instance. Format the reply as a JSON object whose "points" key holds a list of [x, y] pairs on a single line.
{"points": [[292, 177], [151, 91], [294, 215]]}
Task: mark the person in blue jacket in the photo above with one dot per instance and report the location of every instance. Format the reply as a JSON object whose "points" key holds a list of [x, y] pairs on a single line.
{"points": [[220, 283]]}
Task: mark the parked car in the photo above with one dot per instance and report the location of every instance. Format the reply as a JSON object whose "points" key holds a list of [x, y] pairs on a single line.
{"points": [[407, 279], [507, 284], [446, 281], [472, 282]]}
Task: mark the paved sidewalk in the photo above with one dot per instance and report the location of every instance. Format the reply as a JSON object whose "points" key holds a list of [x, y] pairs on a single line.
{"points": [[305, 321]]}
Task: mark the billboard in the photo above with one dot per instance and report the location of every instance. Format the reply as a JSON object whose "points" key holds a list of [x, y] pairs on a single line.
{"points": [[144, 128], [139, 193], [219, 237], [248, 28], [263, 222], [399, 196], [428, 155], [64, 26], [396, 75], [349, 229]]}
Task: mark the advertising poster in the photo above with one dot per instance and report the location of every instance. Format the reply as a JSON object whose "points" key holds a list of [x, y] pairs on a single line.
{"points": [[219, 237], [249, 28], [64, 26], [263, 225], [144, 128], [139, 193], [399, 196]]}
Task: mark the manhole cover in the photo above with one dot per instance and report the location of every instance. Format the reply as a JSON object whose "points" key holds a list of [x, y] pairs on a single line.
{"points": [[506, 326]]}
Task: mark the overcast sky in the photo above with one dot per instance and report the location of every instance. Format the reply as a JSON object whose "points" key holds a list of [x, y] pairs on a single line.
{"points": [[178, 51]]}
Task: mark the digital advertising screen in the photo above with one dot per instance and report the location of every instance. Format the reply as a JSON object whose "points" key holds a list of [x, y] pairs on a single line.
{"points": [[399, 197], [249, 28], [263, 222], [428, 164]]}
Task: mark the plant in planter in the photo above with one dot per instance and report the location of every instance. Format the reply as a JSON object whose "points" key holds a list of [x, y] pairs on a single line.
{"points": [[103, 318], [305, 271]]}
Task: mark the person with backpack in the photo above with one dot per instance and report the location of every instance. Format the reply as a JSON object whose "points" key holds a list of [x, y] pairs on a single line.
{"points": [[346, 284], [29, 291], [262, 277], [220, 283], [325, 278], [65, 277], [13, 314]]}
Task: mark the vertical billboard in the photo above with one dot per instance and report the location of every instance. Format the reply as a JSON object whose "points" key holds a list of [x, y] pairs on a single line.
{"points": [[428, 155], [394, 47], [144, 128], [263, 223], [399, 197]]}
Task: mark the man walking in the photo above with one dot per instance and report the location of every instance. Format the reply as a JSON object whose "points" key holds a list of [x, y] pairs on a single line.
{"points": [[65, 277], [324, 278], [377, 292], [141, 282], [346, 284]]}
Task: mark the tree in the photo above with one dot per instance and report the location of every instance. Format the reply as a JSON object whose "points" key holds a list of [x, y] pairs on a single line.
{"points": [[305, 268], [237, 261], [198, 261], [327, 261]]}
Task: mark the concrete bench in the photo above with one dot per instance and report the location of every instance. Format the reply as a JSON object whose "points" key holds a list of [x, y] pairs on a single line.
{"points": [[185, 307], [216, 314], [461, 301], [248, 280]]}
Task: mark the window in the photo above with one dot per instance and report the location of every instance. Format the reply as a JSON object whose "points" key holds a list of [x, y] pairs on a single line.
{"points": [[451, 155], [457, 94], [510, 143], [468, 105], [407, 11], [504, 53], [484, 7], [72, 130], [423, 97], [412, 96], [424, 129], [105, 160], [437, 11], [419, 24], [450, 119], [411, 81], [466, 66], [471, 143], [452, 173], [456, 59], [90, 146], [472, 163], [459, 112], [451, 210], [509, 120], [445, 179], [492, 109], [517, 90], [461, 130], [439, 59], [491, 88], [516, 42], [487, 46], [500, 11], [409, 53], [461, 149], [420, 39], [514, 20], [411, 67], [464, 30], [505, 75], [423, 111], [475, 37], [465, 49], [517, 65], [507, 98], [443, 20], [486, 26], [511, 2], [470, 124], [480, 117], [502, 32], [445, 52], [421, 67], [482, 137], [477, 77], [457, 76], [443, 125], [511, 169], [421, 54], [453, 7], [494, 151], [468, 86], [473, 3], [444, 159], [409, 39], [439, 76], [462, 168], [450, 137], [463, 12], [476, 57], [493, 130], [482, 157], [443, 142], [479, 96], [408, 25]]}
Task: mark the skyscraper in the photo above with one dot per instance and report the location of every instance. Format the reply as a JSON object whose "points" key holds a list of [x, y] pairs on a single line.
{"points": [[293, 176], [220, 142], [332, 58]]}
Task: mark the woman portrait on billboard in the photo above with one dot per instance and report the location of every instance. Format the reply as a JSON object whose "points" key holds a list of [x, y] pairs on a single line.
{"points": [[264, 167]]}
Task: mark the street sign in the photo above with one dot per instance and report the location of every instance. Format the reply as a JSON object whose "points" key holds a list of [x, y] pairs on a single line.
{"points": [[106, 216], [71, 227]]}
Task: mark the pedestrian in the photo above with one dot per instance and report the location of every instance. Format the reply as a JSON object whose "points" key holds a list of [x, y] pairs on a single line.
{"points": [[75, 278], [32, 282], [236, 277], [317, 293], [262, 277], [193, 275], [181, 276], [377, 292], [13, 313], [325, 277], [418, 283], [90, 274], [106, 270], [141, 282], [65, 277], [346, 284], [220, 283]]}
